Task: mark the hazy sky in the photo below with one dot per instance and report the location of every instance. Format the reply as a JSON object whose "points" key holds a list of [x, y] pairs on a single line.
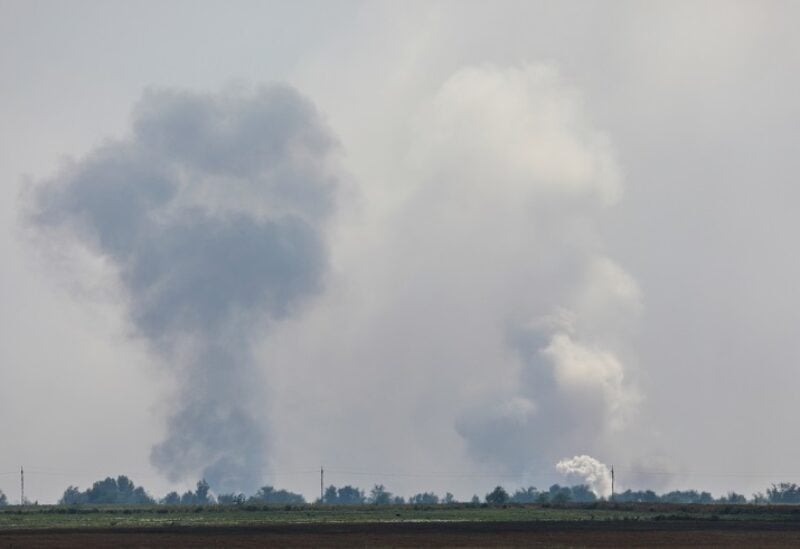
{"points": [[448, 243]]}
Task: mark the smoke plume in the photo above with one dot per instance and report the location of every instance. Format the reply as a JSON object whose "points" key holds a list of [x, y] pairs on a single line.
{"points": [[589, 471], [526, 181], [487, 326], [211, 215]]}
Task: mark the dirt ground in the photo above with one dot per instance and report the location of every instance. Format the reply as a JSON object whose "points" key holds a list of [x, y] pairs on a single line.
{"points": [[442, 534]]}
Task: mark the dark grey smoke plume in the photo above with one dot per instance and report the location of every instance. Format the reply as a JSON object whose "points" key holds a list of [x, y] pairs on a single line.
{"points": [[211, 212]]}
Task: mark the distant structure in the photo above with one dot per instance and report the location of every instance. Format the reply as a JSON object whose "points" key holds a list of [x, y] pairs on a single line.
{"points": [[612, 483]]}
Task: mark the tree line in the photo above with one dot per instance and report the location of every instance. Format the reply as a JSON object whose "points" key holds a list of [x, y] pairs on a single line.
{"points": [[122, 491]]}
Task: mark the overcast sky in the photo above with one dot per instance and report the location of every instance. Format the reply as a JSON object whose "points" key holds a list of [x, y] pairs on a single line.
{"points": [[464, 240]]}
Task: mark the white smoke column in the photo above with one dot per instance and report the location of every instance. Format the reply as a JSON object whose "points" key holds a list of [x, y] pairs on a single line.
{"points": [[512, 172], [211, 214], [587, 470]]}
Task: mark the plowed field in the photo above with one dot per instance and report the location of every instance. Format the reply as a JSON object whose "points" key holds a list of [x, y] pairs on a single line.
{"points": [[679, 533]]}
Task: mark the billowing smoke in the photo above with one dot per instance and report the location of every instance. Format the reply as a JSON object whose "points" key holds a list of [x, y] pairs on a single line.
{"points": [[487, 326], [211, 215], [527, 181], [589, 471], [479, 319]]}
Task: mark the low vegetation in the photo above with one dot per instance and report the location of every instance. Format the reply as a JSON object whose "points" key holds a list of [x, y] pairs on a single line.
{"points": [[122, 491], [251, 514]]}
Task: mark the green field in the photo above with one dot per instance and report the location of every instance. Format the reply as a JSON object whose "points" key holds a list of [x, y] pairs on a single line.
{"points": [[98, 516]]}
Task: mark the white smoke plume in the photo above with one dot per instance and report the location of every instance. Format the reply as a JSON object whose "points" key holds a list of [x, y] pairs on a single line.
{"points": [[587, 470], [522, 180]]}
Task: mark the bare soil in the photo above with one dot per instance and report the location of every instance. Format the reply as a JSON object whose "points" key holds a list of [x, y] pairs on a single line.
{"points": [[681, 533]]}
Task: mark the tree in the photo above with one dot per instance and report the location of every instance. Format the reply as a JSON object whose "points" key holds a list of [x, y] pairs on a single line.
{"points": [[448, 498], [759, 498], [330, 496], [641, 496], [187, 498], [543, 497], [108, 491], [525, 495], [3, 499], [379, 496], [425, 498], [582, 494], [346, 495], [560, 494], [173, 498], [231, 499], [202, 493], [268, 494], [73, 496], [784, 492], [687, 496], [705, 497], [733, 497], [498, 496], [200, 496], [349, 495]]}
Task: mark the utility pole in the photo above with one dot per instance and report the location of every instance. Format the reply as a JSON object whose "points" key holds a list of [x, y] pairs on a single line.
{"points": [[21, 486], [321, 485], [612, 483]]}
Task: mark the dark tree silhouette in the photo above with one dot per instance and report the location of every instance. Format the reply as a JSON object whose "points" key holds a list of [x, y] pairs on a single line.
{"points": [[108, 491], [425, 498], [784, 492], [200, 496], [525, 495], [346, 495], [498, 496], [379, 496], [173, 498], [268, 494], [231, 499]]}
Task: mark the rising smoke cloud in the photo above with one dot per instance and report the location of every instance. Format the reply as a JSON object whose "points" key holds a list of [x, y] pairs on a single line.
{"points": [[479, 319], [211, 214], [513, 183], [587, 470], [487, 326]]}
